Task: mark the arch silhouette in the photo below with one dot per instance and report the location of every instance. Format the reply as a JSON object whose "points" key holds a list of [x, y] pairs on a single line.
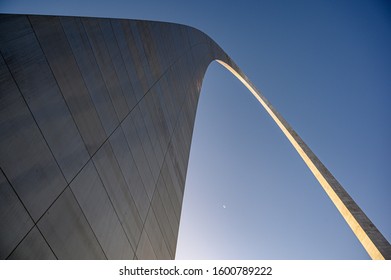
{"points": [[96, 119]]}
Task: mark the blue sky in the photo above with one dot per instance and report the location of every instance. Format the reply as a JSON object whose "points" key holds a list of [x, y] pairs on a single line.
{"points": [[326, 67]]}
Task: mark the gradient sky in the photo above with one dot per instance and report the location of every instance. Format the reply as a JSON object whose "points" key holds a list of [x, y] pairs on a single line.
{"points": [[326, 67]]}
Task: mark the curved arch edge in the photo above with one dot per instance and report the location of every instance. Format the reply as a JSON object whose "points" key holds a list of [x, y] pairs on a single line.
{"points": [[369, 236]]}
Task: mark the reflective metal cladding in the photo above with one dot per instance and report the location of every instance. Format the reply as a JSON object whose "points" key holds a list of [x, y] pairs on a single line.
{"points": [[96, 120]]}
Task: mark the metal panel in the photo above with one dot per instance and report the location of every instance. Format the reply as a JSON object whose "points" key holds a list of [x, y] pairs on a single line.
{"points": [[144, 249], [130, 172], [106, 66], [13, 217], [67, 231], [19, 25], [35, 80], [117, 189], [33, 247], [89, 69], [162, 219], [176, 204], [138, 56], [150, 126], [145, 140], [24, 155], [97, 207], [139, 157], [168, 206], [123, 42], [70, 81], [118, 62], [156, 237]]}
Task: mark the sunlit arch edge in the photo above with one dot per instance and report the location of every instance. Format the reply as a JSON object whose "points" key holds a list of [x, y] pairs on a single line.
{"points": [[370, 237]]}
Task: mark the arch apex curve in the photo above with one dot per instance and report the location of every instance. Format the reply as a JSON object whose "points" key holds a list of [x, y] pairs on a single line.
{"points": [[96, 120]]}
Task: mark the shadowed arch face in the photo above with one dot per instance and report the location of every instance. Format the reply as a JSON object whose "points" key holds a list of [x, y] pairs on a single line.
{"points": [[96, 125]]}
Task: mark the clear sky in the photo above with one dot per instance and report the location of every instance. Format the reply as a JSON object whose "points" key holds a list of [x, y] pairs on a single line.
{"points": [[326, 67]]}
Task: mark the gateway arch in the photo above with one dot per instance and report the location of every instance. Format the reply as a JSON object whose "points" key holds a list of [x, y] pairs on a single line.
{"points": [[96, 120]]}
